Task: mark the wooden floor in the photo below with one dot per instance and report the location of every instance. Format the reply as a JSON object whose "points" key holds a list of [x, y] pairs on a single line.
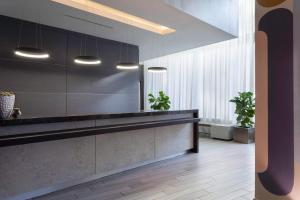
{"points": [[221, 171]]}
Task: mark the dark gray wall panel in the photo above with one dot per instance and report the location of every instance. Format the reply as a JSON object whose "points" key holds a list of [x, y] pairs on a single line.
{"points": [[41, 104], [58, 86], [21, 76], [96, 80], [79, 103]]}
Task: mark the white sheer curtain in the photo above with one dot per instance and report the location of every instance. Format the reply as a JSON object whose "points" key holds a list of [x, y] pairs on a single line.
{"points": [[208, 77]]}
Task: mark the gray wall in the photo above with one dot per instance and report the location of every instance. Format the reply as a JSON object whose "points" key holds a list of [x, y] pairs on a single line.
{"points": [[58, 86]]}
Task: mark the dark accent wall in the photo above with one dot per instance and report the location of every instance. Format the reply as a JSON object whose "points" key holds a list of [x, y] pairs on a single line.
{"points": [[279, 177], [58, 86]]}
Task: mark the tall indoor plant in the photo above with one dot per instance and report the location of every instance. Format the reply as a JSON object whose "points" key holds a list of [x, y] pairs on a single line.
{"points": [[162, 102], [245, 110]]}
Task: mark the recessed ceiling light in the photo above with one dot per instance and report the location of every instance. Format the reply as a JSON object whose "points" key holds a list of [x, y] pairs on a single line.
{"points": [[117, 15], [30, 52], [127, 66], [157, 69], [87, 60]]}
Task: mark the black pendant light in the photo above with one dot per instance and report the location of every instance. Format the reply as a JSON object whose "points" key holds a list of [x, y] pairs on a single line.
{"points": [[85, 59], [36, 52], [31, 52], [126, 65], [157, 69]]}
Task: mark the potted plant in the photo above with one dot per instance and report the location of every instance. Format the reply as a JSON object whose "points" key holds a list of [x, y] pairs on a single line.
{"points": [[7, 102], [162, 102], [245, 110]]}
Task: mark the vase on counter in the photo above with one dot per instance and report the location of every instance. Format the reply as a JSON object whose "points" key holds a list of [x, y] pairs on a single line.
{"points": [[7, 102]]}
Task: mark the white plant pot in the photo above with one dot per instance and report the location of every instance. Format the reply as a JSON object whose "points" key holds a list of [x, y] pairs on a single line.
{"points": [[6, 106]]}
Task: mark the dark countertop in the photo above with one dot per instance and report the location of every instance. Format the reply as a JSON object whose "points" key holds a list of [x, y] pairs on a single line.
{"points": [[66, 133], [45, 120]]}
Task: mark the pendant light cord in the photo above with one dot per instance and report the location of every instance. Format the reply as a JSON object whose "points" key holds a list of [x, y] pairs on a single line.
{"points": [[97, 48], [36, 36], [127, 53], [41, 37], [21, 25], [20, 33], [80, 50], [127, 35], [85, 45], [120, 56]]}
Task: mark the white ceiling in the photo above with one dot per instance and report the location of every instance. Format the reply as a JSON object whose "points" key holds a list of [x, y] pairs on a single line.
{"points": [[190, 33], [220, 13]]}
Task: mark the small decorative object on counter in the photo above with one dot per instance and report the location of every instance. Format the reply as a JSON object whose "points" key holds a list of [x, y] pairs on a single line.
{"points": [[162, 102], [16, 113], [7, 102]]}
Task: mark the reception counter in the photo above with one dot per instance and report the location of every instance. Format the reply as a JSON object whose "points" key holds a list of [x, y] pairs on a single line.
{"points": [[42, 155]]}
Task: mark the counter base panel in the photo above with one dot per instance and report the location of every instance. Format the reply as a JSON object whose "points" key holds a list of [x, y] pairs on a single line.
{"points": [[32, 170]]}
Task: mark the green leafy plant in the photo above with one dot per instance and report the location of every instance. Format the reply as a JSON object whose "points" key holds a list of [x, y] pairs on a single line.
{"points": [[245, 109], [5, 93], [162, 102]]}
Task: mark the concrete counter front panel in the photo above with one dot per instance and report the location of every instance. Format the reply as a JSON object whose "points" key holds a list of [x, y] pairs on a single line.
{"points": [[39, 168]]}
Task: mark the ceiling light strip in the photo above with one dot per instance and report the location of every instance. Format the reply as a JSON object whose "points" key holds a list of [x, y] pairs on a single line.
{"points": [[117, 15]]}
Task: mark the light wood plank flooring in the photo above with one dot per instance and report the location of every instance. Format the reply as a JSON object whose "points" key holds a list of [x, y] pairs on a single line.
{"points": [[221, 171]]}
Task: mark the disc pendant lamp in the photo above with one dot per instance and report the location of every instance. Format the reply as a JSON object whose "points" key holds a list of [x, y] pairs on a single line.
{"points": [[157, 69], [87, 59], [31, 52], [126, 65], [34, 52]]}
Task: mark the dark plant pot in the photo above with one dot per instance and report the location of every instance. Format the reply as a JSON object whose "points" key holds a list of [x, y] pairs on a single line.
{"points": [[243, 135]]}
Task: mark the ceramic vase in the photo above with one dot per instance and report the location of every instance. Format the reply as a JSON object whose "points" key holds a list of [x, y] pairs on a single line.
{"points": [[6, 106]]}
